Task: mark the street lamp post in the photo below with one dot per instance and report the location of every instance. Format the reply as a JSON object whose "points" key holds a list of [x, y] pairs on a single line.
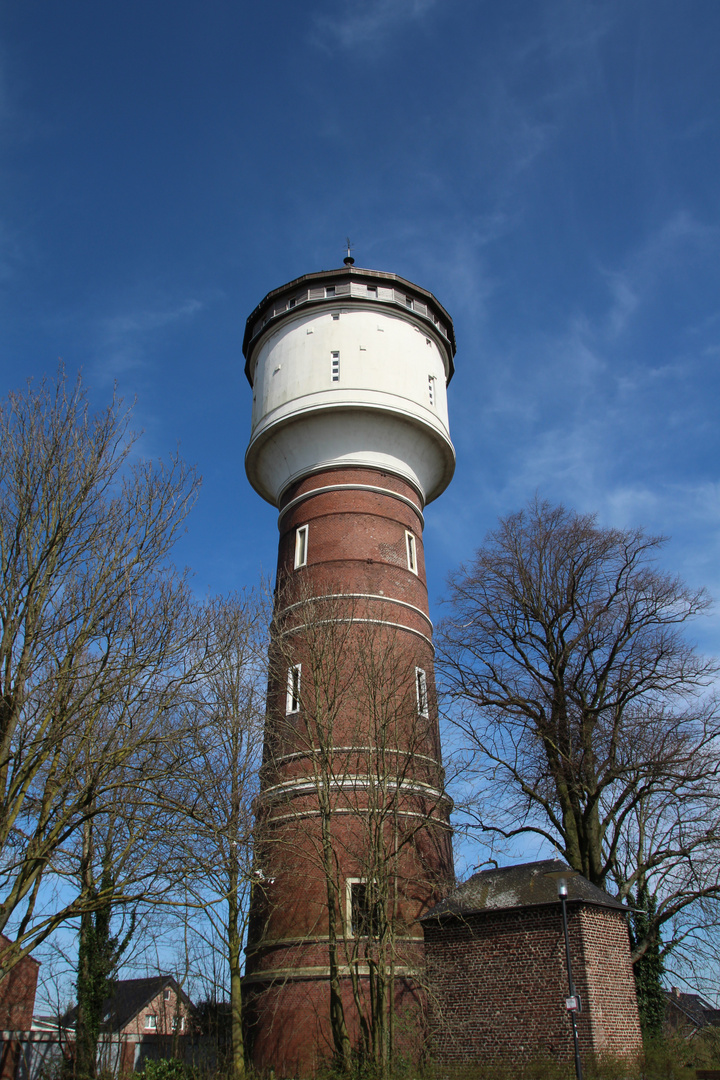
{"points": [[573, 1001]]}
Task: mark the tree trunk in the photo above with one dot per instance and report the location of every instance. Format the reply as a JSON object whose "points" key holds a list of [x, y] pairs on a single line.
{"points": [[338, 1024], [237, 1042]]}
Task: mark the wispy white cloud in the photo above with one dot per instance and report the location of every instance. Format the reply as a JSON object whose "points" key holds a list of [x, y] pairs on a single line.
{"points": [[663, 253], [7, 107], [122, 339], [582, 417], [355, 25], [140, 322], [13, 253]]}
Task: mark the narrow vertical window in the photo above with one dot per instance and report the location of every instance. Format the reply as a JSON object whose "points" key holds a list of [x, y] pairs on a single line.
{"points": [[431, 389], [363, 908], [293, 689], [335, 366], [301, 542], [330, 290], [408, 302], [421, 688], [411, 552]]}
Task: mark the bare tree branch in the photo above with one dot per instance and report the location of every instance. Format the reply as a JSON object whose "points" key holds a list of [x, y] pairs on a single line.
{"points": [[581, 700]]}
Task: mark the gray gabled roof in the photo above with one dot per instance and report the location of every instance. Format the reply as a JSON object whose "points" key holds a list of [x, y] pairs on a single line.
{"points": [[129, 997], [694, 1008], [525, 885]]}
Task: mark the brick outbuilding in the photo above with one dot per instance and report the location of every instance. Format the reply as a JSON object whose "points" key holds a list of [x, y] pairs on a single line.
{"points": [[497, 974], [17, 1001]]}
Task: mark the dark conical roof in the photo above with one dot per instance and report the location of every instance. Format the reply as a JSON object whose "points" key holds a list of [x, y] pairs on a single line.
{"points": [[525, 885]]}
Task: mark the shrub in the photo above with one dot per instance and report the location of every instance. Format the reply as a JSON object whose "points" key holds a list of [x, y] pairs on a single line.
{"points": [[166, 1069]]}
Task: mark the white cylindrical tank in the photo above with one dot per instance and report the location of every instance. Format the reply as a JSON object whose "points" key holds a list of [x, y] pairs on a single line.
{"points": [[349, 368]]}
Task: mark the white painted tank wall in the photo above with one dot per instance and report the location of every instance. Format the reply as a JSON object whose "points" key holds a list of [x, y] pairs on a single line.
{"points": [[378, 413]]}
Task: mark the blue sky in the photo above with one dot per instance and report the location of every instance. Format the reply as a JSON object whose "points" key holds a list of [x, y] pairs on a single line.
{"points": [[548, 168]]}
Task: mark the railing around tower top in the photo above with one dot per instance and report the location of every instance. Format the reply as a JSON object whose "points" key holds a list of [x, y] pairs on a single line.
{"points": [[356, 291]]}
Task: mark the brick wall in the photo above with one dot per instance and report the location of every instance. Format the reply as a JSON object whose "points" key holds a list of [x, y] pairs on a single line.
{"points": [[17, 992], [167, 1009], [17, 1001], [498, 982], [610, 984]]}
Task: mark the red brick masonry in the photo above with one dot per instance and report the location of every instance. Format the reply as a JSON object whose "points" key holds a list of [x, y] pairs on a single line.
{"points": [[355, 618], [17, 1001], [498, 980]]}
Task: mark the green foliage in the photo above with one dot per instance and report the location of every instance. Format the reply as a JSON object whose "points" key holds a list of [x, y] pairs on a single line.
{"points": [[167, 1069], [677, 1056], [706, 1048], [649, 969], [538, 1068], [669, 1058]]}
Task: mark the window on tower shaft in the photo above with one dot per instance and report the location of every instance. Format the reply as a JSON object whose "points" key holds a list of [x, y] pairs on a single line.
{"points": [[421, 688], [411, 552], [335, 366], [363, 908], [293, 689], [301, 546]]}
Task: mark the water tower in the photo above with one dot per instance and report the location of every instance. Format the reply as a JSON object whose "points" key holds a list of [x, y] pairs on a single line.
{"points": [[349, 370]]}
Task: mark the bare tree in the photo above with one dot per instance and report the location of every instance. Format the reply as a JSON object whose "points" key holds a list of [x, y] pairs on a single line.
{"points": [[400, 844], [125, 870], [589, 717], [215, 785], [95, 627]]}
